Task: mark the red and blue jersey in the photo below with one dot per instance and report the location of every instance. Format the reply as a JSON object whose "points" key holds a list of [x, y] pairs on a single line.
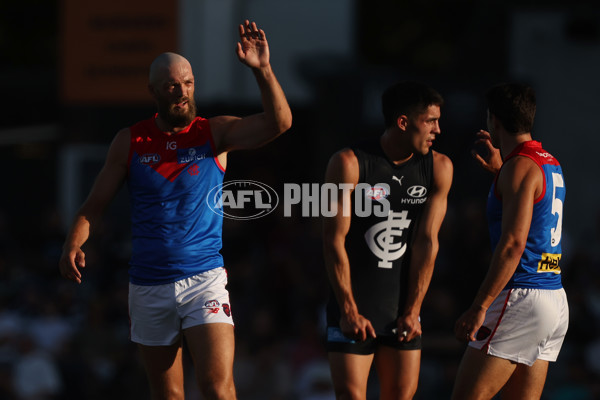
{"points": [[174, 233], [539, 265]]}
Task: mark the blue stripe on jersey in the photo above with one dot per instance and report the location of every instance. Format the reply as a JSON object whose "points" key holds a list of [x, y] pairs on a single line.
{"points": [[174, 233], [539, 265]]}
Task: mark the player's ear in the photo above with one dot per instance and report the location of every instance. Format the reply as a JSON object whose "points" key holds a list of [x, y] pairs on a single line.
{"points": [[493, 122], [151, 90], [402, 122]]}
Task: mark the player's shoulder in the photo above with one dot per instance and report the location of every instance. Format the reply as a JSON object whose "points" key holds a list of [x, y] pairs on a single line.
{"points": [[443, 171], [344, 157], [343, 163], [518, 172], [219, 123], [123, 136], [441, 160]]}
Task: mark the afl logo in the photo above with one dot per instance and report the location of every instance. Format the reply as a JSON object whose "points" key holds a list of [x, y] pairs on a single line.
{"points": [[149, 159], [417, 191], [377, 193], [242, 200]]}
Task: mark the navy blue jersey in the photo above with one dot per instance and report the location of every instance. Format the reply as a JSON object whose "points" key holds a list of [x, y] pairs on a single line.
{"points": [[379, 244]]}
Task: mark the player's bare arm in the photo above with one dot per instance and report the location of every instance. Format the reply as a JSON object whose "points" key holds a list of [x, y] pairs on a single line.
{"points": [[343, 168], [425, 247], [107, 183], [519, 184], [231, 133]]}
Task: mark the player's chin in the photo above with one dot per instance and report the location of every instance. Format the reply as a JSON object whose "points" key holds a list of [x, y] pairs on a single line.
{"points": [[425, 150]]}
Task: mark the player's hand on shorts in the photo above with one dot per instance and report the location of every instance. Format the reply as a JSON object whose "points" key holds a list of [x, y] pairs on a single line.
{"points": [[468, 324], [70, 263], [491, 159], [357, 327], [409, 327]]}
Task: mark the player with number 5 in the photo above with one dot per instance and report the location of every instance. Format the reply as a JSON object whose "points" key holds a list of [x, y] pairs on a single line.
{"points": [[517, 323]]}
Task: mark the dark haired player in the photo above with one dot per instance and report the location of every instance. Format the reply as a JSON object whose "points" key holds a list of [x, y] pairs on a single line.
{"points": [[520, 315], [380, 265]]}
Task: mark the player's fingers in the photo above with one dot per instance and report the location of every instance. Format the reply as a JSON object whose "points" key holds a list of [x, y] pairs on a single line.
{"points": [[251, 30], [488, 144], [245, 30], [403, 335], [353, 333], [75, 278], [460, 331], [470, 336], [371, 330], [361, 333], [478, 158], [240, 51], [483, 134], [71, 273], [80, 259]]}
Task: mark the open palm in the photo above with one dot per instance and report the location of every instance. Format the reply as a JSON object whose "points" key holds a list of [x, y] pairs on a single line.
{"points": [[253, 49]]}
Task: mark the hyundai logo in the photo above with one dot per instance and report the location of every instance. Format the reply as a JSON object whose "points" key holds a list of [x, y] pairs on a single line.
{"points": [[417, 191]]}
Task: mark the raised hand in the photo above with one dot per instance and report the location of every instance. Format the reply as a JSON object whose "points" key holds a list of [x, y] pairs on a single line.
{"points": [[492, 160], [253, 49]]}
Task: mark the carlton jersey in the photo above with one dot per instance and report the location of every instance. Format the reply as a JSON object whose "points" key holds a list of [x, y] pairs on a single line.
{"points": [[378, 247], [539, 265], [175, 234]]}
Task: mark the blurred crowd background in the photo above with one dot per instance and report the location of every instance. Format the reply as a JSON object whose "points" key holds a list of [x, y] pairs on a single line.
{"points": [[59, 340]]}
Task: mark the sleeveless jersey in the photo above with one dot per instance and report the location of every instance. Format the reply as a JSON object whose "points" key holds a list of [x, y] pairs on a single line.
{"points": [[175, 234], [378, 247], [538, 267]]}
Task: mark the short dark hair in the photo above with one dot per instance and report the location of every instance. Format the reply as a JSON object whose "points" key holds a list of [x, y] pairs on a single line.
{"points": [[513, 104], [408, 98]]}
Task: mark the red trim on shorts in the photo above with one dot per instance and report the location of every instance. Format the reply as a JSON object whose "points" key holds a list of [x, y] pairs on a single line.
{"points": [[487, 344]]}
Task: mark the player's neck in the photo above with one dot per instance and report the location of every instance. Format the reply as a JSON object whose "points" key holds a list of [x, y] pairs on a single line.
{"points": [[394, 149], [167, 128], [509, 142]]}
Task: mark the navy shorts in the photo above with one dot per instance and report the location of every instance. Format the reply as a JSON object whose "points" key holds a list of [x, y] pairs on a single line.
{"points": [[337, 342]]}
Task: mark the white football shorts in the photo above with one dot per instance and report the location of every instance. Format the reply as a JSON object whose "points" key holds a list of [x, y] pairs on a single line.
{"points": [[159, 313], [524, 325]]}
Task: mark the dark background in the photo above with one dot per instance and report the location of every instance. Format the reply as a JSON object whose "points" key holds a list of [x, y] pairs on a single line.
{"points": [[277, 279]]}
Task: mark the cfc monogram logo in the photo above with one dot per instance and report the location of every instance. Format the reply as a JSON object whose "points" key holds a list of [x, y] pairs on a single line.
{"points": [[381, 238]]}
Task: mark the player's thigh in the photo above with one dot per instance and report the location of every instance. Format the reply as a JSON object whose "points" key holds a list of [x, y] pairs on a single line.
{"points": [[350, 374], [526, 383], [398, 372], [212, 347], [481, 376], [163, 365]]}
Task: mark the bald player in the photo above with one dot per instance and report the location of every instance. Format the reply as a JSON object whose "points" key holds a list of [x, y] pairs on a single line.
{"points": [[170, 162]]}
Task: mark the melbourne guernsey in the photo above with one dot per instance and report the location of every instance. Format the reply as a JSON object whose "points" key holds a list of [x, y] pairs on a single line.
{"points": [[539, 264], [379, 246], [175, 234]]}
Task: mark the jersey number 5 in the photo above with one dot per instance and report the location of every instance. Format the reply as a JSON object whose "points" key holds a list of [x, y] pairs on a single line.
{"points": [[557, 209]]}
